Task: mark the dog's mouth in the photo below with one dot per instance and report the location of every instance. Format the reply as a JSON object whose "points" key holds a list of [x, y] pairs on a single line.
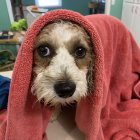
{"points": [[69, 101]]}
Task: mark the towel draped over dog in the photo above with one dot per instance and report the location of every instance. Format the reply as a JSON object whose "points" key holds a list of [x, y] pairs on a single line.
{"points": [[110, 112]]}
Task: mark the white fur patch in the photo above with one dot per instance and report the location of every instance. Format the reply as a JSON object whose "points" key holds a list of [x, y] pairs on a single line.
{"points": [[62, 33]]}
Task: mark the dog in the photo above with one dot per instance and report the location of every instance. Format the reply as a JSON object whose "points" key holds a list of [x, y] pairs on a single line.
{"points": [[63, 64]]}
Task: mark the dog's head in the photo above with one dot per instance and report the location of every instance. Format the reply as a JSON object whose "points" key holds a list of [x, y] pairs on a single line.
{"points": [[62, 59]]}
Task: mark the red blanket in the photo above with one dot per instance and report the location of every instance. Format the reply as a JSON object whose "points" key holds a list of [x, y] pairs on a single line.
{"points": [[111, 112]]}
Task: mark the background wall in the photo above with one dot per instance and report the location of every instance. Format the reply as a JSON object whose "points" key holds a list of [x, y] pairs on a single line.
{"points": [[4, 16], [80, 6], [116, 10], [28, 2]]}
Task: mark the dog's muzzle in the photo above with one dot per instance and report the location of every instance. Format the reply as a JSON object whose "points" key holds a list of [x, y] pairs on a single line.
{"points": [[65, 89]]}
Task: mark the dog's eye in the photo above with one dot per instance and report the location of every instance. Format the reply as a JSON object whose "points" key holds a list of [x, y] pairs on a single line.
{"points": [[43, 51], [80, 52]]}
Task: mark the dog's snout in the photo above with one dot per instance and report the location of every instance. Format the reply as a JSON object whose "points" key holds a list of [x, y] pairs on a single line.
{"points": [[65, 89]]}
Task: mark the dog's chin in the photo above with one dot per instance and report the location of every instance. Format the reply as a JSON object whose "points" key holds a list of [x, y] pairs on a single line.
{"points": [[60, 101]]}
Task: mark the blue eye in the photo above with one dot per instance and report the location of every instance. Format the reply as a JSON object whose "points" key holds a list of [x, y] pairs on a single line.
{"points": [[80, 52], [44, 51]]}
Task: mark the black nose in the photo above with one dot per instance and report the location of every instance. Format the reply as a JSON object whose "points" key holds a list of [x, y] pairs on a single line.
{"points": [[65, 89]]}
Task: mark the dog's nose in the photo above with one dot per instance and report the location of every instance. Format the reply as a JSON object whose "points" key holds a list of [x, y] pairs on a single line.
{"points": [[65, 89]]}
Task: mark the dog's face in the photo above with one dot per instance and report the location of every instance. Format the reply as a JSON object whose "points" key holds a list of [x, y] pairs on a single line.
{"points": [[62, 58]]}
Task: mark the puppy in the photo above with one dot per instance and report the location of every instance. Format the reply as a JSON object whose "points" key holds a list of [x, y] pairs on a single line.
{"points": [[63, 61]]}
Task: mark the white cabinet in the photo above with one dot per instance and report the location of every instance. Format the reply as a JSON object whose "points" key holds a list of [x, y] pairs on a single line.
{"points": [[127, 15], [131, 17], [136, 24]]}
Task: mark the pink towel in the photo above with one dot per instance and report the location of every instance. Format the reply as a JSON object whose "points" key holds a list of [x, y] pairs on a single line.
{"points": [[111, 112]]}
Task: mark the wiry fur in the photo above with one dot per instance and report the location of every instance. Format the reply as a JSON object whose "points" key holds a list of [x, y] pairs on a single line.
{"points": [[63, 37]]}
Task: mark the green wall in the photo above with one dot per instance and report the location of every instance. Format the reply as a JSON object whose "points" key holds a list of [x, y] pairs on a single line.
{"points": [[80, 6], [116, 10], [28, 2], [4, 16]]}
